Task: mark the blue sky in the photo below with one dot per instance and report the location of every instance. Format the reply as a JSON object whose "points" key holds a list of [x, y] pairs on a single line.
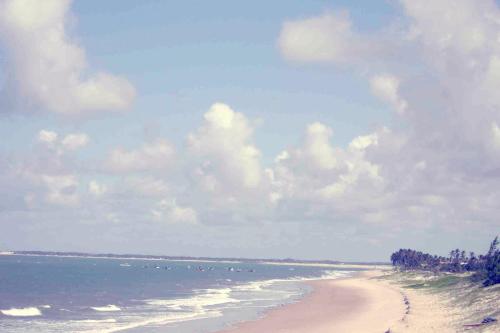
{"points": [[335, 127], [184, 57]]}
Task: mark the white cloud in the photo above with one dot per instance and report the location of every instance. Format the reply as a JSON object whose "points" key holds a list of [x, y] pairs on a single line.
{"points": [[48, 137], [437, 168], [317, 146], [223, 145], [75, 141], [433, 200], [330, 38], [46, 67], [323, 177], [112, 217], [70, 142], [61, 189], [362, 142], [147, 186], [97, 189], [323, 38], [169, 211], [386, 88], [444, 143], [495, 134], [154, 156], [464, 29], [300, 171]]}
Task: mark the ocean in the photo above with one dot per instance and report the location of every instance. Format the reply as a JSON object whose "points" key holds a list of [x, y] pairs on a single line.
{"points": [[74, 294]]}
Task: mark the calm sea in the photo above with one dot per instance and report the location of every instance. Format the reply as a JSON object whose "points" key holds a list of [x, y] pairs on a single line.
{"points": [[60, 294]]}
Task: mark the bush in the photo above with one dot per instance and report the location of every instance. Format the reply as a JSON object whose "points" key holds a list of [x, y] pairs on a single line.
{"points": [[492, 266]]}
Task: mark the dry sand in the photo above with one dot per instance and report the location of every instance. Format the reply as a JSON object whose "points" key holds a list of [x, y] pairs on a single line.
{"points": [[362, 304], [345, 305], [428, 313]]}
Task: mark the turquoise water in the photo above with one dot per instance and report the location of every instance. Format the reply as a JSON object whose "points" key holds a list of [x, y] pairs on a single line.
{"points": [[61, 294]]}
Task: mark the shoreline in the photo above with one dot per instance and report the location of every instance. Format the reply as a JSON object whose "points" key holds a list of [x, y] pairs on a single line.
{"points": [[379, 301], [352, 304]]}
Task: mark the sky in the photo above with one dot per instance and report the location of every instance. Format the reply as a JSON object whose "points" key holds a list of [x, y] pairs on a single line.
{"points": [[339, 130]]}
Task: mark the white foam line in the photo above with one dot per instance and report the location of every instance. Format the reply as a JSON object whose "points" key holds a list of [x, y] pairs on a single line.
{"points": [[95, 321], [199, 305], [158, 321], [22, 312], [107, 308]]}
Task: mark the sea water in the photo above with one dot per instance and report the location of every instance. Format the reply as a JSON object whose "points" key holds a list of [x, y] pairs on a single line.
{"points": [[70, 294]]}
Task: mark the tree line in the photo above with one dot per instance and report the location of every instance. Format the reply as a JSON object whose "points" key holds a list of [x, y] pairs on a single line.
{"points": [[486, 267]]}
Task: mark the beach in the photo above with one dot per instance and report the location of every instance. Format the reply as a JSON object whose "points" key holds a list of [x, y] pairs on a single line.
{"points": [[178, 297], [364, 303], [358, 304]]}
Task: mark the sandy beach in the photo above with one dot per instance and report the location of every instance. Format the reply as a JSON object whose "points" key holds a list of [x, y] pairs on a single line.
{"points": [[352, 305], [363, 304]]}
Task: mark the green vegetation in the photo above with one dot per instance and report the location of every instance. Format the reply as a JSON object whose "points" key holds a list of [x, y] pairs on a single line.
{"points": [[441, 282], [466, 301], [486, 268], [493, 265]]}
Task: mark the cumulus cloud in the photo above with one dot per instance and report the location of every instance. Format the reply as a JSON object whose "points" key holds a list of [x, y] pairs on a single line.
{"points": [[460, 49], [70, 142], [47, 175], [317, 172], [61, 189], [223, 146], [46, 136], [446, 152], [75, 141], [495, 135], [386, 88], [47, 69], [147, 186], [317, 146], [153, 156], [169, 211], [325, 38], [97, 189], [438, 168], [330, 38]]}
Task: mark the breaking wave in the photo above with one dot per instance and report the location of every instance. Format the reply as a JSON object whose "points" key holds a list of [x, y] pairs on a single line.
{"points": [[22, 312], [107, 308]]}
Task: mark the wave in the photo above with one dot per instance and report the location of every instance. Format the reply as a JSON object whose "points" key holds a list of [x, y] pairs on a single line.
{"points": [[202, 298], [158, 320], [261, 284], [106, 308], [92, 321], [203, 304], [22, 312]]}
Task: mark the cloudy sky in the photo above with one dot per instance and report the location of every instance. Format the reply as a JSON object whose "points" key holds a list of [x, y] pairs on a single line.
{"points": [[307, 129]]}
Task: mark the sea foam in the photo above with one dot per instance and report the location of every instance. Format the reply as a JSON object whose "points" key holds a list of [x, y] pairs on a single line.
{"points": [[22, 312], [157, 320], [203, 298], [93, 321], [107, 308]]}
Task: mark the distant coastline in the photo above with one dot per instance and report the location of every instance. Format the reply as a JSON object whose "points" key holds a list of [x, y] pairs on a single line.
{"points": [[287, 261]]}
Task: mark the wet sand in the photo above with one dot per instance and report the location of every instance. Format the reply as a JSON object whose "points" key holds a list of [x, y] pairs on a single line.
{"points": [[351, 305]]}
